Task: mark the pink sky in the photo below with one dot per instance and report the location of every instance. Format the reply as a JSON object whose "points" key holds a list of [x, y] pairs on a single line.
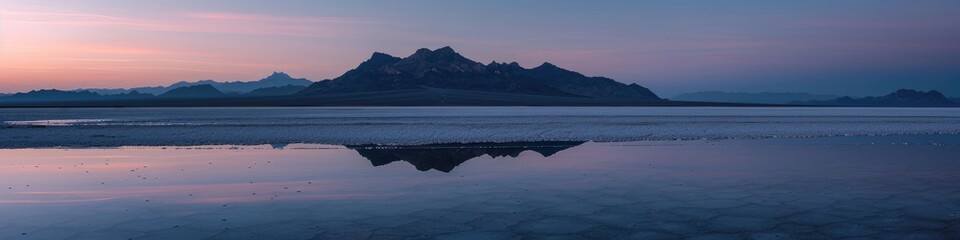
{"points": [[669, 47]]}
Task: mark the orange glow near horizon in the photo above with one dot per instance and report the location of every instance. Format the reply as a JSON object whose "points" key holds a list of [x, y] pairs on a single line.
{"points": [[672, 48], [67, 50]]}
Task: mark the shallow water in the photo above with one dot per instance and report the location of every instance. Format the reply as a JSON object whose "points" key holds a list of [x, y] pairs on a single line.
{"points": [[761, 189]]}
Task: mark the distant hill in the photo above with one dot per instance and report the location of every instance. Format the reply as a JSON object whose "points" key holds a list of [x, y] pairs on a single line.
{"points": [[129, 95], [276, 91], [50, 95], [198, 91], [53, 95], [742, 97], [900, 98], [444, 68], [277, 79]]}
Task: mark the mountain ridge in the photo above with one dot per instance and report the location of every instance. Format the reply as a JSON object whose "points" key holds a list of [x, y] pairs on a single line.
{"points": [[276, 79], [440, 77], [445, 68], [60, 95], [276, 91], [194, 91], [899, 98]]}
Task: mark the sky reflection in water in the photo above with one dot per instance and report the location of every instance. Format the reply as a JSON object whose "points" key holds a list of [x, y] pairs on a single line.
{"points": [[485, 190]]}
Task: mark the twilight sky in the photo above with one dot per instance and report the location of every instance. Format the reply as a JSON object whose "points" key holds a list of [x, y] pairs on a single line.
{"points": [[834, 47]]}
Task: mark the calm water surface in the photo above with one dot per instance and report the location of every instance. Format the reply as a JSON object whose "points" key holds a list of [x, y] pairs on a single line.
{"points": [[711, 190]]}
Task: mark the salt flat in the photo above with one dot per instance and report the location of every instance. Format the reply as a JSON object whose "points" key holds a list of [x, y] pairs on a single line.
{"points": [[107, 127]]}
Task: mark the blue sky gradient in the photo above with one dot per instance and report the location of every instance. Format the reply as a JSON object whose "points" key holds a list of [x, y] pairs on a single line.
{"points": [[832, 47]]}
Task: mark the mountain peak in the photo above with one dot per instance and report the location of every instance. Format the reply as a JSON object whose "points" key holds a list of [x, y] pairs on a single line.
{"points": [[377, 60], [445, 50], [547, 65], [422, 51], [440, 53], [277, 76], [380, 55], [443, 59], [910, 93]]}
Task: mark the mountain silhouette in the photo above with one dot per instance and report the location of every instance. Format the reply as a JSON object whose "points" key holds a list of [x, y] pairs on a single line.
{"points": [[900, 98], [277, 79], [276, 91], [446, 157], [444, 68], [54, 95], [440, 77], [44, 95], [198, 91]]}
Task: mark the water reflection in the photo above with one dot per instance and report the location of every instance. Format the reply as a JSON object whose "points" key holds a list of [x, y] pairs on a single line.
{"points": [[583, 191], [446, 157]]}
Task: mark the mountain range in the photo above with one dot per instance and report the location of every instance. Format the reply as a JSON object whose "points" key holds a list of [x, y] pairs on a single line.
{"points": [[47, 95], [425, 78], [440, 77], [196, 91], [444, 68], [276, 84], [277, 79], [761, 98], [900, 98]]}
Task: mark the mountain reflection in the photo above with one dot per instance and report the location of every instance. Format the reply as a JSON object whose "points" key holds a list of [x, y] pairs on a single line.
{"points": [[445, 157]]}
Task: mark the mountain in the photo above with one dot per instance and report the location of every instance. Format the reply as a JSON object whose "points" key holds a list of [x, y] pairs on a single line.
{"points": [[111, 91], [129, 95], [198, 91], [444, 68], [956, 100], [446, 157], [762, 98], [53, 95], [595, 87], [276, 91], [277, 79], [900, 98]]}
